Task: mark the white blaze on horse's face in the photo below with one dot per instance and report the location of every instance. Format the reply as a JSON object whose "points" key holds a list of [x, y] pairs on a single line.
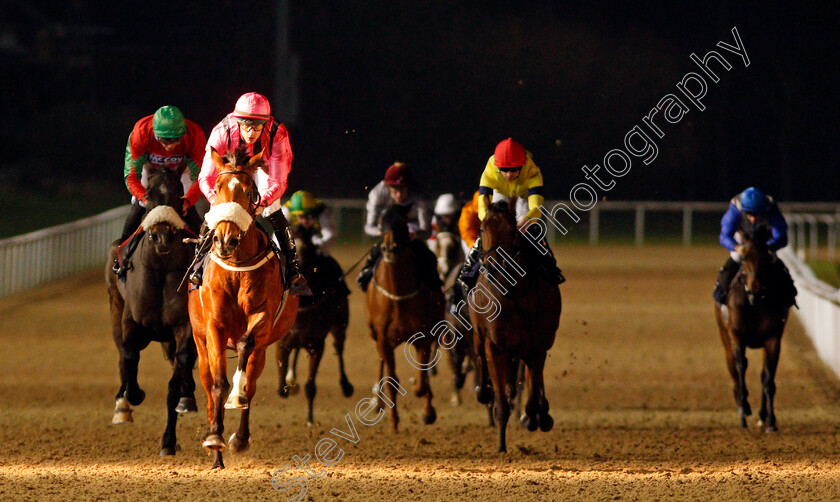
{"points": [[233, 184]]}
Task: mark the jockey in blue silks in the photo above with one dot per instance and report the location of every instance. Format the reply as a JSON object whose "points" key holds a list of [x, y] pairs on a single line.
{"points": [[748, 210]]}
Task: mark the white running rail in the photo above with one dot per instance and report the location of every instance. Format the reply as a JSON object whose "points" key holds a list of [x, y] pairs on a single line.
{"points": [[819, 308], [57, 252]]}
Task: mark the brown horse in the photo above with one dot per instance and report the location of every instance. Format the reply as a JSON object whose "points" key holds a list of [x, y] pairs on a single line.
{"points": [[521, 326], [326, 311], [754, 317], [148, 305], [401, 302], [241, 304]]}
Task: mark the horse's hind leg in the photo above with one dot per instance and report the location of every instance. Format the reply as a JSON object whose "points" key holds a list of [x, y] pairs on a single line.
{"points": [[310, 389], [292, 386], [456, 361], [339, 334], [538, 387], [497, 364], [185, 356], [283, 371], [767, 415]]}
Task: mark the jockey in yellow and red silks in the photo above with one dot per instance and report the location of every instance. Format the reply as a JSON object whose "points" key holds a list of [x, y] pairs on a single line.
{"points": [[510, 172], [251, 124]]}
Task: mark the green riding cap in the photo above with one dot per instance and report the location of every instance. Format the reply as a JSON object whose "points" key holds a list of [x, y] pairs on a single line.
{"points": [[304, 203], [168, 122]]}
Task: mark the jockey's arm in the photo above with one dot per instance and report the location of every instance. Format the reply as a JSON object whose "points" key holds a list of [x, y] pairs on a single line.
{"points": [[535, 196], [778, 229], [279, 165], [195, 155], [327, 232], [135, 157], [373, 209], [728, 226], [423, 230]]}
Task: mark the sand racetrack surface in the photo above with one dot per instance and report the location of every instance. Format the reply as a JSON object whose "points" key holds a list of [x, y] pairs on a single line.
{"points": [[637, 383]]}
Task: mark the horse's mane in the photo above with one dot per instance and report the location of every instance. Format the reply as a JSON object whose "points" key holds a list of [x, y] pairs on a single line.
{"points": [[395, 218], [239, 157]]}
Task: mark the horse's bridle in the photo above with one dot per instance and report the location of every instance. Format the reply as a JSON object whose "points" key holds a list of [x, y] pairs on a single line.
{"points": [[253, 203]]}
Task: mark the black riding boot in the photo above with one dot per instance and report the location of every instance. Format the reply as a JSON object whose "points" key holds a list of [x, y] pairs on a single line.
{"points": [[132, 223], [294, 279], [549, 265], [725, 275], [201, 249], [366, 274], [469, 271]]}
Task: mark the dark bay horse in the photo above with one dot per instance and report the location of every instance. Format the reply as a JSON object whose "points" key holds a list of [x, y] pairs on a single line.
{"points": [[754, 317], [402, 302], [149, 307], [326, 311], [523, 326], [241, 304]]}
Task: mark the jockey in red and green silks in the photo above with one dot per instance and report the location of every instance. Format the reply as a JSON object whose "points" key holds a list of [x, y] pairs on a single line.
{"points": [[163, 140]]}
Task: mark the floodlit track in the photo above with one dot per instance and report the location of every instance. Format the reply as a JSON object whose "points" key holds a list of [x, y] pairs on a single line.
{"points": [[636, 380]]}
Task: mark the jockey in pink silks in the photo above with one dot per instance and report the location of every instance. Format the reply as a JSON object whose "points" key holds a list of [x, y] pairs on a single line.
{"points": [[251, 124]]}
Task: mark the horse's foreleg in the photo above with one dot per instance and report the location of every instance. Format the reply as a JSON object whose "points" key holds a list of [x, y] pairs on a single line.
{"points": [[387, 354], [740, 392], [133, 343], [529, 418], [767, 415], [237, 399], [497, 364], [213, 368], [339, 334], [424, 388], [315, 354], [240, 440], [456, 362]]}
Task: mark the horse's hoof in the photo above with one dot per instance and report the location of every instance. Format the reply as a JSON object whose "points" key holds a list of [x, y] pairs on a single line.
{"points": [[483, 394], [347, 389], [214, 442], [293, 389], [455, 400], [236, 403], [186, 405], [238, 446], [122, 417], [283, 392], [429, 418], [167, 451], [546, 422], [122, 412], [529, 422], [744, 422]]}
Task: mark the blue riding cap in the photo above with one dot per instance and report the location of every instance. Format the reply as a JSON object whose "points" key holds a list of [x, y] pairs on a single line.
{"points": [[753, 200]]}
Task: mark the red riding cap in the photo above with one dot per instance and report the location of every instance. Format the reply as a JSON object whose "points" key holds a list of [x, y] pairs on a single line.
{"points": [[397, 175], [509, 153]]}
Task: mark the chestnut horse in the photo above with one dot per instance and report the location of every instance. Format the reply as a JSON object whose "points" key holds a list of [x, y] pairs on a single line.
{"points": [[523, 326], [241, 304], [401, 302], [326, 311], [148, 306], [754, 317]]}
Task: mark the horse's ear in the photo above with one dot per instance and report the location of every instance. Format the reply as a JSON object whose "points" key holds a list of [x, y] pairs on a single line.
{"points": [[257, 162], [220, 163]]}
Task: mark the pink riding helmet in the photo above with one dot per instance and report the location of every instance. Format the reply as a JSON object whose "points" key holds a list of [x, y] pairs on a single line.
{"points": [[252, 106]]}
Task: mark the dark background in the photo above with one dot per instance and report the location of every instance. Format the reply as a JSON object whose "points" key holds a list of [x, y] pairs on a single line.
{"points": [[435, 84]]}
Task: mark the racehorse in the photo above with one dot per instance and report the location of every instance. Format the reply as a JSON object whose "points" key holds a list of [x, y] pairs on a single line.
{"points": [[326, 311], [242, 303], [401, 303], [523, 327], [753, 317], [148, 305]]}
